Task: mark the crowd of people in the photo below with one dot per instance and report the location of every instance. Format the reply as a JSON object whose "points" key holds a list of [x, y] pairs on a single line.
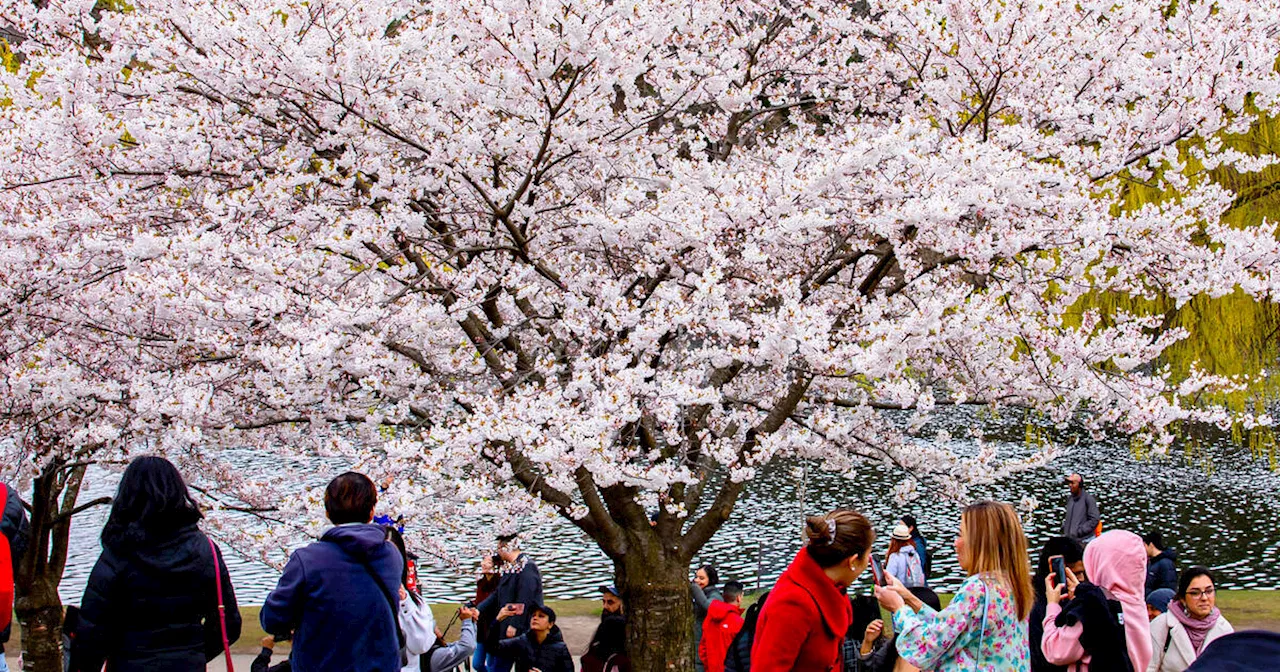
{"points": [[160, 597]]}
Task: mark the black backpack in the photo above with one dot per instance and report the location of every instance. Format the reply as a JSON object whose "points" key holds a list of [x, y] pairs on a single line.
{"points": [[735, 660]]}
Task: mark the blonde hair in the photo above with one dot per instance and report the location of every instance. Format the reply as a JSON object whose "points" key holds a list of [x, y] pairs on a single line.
{"points": [[996, 546]]}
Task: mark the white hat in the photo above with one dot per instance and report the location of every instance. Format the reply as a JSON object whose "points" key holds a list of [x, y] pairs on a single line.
{"points": [[901, 532]]}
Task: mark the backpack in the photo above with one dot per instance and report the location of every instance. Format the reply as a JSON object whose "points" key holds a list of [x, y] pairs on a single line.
{"points": [[6, 568], [734, 661]]}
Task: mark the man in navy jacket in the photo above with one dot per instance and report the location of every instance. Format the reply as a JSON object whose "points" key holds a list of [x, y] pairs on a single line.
{"points": [[521, 583], [338, 597]]}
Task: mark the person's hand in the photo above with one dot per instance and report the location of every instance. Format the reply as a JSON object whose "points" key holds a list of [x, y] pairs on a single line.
{"points": [[404, 594], [874, 628], [900, 589], [889, 598], [505, 612], [469, 614], [1072, 582], [1052, 591], [268, 642], [511, 632]]}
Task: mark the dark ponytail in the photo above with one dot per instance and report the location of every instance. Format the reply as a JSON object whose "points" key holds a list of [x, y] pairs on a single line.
{"points": [[837, 536]]}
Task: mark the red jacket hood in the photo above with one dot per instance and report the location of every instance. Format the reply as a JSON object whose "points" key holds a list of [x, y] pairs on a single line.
{"points": [[718, 611]]}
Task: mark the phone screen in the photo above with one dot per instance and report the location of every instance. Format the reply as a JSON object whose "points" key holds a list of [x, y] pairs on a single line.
{"points": [[1059, 570], [877, 573]]}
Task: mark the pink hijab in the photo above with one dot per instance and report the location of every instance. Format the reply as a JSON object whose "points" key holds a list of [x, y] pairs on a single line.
{"points": [[1117, 561]]}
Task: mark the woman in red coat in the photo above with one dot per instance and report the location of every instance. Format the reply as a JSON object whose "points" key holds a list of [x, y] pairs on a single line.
{"points": [[800, 627]]}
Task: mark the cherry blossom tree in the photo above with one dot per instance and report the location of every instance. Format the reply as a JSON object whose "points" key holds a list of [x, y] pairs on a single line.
{"points": [[613, 258]]}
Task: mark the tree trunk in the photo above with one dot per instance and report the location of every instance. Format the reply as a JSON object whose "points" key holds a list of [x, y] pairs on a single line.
{"points": [[655, 589], [37, 604], [40, 612]]}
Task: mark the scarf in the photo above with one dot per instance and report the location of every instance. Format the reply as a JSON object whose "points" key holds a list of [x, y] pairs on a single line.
{"points": [[1197, 628]]}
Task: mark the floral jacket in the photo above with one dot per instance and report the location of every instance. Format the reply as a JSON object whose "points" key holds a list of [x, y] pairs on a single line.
{"points": [[961, 638]]}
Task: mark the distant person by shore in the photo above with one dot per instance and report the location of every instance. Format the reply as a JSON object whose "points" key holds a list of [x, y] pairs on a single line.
{"points": [[1082, 517]]}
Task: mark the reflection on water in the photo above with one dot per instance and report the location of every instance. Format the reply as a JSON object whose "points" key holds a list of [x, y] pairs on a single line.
{"points": [[1228, 519]]}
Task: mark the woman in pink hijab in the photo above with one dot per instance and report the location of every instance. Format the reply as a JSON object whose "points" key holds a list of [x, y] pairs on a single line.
{"points": [[1086, 629]]}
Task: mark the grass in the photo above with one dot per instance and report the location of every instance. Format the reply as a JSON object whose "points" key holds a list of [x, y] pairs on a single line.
{"points": [[1246, 609]]}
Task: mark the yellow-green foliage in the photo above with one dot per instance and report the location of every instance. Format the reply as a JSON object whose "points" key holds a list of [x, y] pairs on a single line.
{"points": [[1233, 335]]}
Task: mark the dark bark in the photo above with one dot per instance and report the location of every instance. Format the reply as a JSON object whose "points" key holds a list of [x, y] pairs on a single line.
{"points": [[37, 604], [655, 587]]}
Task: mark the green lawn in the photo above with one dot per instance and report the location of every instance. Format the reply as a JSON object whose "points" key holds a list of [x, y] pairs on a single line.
{"points": [[1244, 608]]}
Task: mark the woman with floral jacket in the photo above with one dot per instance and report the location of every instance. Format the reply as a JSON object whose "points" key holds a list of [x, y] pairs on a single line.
{"points": [[985, 626]]}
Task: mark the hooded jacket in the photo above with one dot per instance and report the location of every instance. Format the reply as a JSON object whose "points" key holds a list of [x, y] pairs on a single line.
{"points": [[1162, 571], [340, 618], [723, 622], [801, 626], [552, 655], [1115, 561], [154, 606]]}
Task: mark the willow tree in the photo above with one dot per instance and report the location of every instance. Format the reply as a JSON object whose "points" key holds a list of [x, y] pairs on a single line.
{"points": [[612, 258]]}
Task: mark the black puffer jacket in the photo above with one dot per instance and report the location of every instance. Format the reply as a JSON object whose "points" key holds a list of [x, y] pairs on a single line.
{"points": [[154, 607], [552, 655]]}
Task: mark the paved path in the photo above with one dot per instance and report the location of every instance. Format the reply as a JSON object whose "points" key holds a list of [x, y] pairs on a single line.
{"points": [[577, 634]]}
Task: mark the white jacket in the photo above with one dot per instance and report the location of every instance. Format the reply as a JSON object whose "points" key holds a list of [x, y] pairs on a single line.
{"points": [[1178, 655], [419, 626]]}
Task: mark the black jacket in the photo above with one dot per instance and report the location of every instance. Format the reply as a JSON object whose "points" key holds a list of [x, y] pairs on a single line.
{"points": [[1035, 630], [610, 640], [154, 607], [1161, 572], [738, 658], [14, 525], [522, 587], [1102, 623], [552, 655]]}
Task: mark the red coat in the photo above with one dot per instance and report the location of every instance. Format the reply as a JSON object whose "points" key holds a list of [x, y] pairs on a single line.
{"points": [[723, 621], [801, 625]]}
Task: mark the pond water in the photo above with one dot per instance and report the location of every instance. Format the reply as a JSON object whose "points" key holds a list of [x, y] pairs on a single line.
{"points": [[1226, 517]]}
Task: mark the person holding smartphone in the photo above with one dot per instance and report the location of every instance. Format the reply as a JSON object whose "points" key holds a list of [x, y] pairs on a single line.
{"points": [[984, 627], [1071, 553], [1104, 623]]}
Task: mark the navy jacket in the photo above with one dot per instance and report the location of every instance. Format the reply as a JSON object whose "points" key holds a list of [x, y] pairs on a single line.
{"points": [[154, 607], [340, 619], [1161, 572], [14, 525], [552, 655], [523, 587]]}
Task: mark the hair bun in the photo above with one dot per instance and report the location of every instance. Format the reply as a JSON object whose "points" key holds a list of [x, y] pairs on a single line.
{"points": [[818, 530]]}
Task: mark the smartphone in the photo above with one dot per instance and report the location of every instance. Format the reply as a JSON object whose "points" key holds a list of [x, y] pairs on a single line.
{"points": [[1059, 567], [516, 608], [877, 574]]}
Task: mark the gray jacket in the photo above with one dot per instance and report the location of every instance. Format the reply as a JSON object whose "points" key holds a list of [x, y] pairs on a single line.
{"points": [[1082, 516], [451, 656]]}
